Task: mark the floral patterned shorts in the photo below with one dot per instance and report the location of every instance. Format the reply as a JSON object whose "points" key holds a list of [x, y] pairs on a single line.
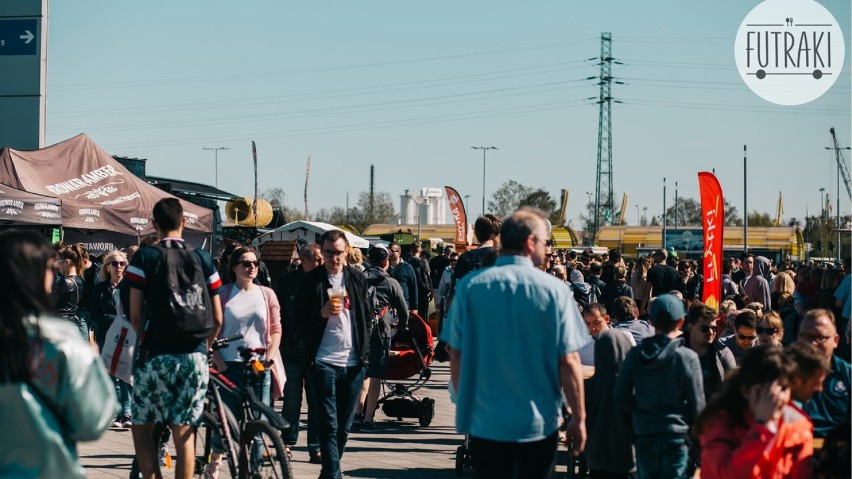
{"points": [[171, 389]]}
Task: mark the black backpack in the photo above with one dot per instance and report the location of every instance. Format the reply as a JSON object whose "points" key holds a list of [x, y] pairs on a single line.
{"points": [[424, 279], [380, 311], [179, 296]]}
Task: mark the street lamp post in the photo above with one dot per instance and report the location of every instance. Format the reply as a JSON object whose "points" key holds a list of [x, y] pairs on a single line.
{"points": [[216, 156], [466, 204], [484, 149], [822, 217]]}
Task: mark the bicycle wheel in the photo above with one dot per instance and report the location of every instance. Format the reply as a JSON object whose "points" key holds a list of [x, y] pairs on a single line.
{"points": [[203, 445], [262, 452]]}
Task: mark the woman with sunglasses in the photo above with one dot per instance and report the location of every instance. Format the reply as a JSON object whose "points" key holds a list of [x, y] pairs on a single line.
{"points": [[770, 329], [715, 358], [106, 298], [750, 429], [54, 389], [253, 311]]}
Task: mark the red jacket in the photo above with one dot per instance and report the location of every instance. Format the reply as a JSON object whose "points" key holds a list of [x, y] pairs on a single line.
{"points": [[753, 450]]}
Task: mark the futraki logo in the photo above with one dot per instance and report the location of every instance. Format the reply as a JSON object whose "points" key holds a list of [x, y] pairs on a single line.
{"points": [[789, 52]]}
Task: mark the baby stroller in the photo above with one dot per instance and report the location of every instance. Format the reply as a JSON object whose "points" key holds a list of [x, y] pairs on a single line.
{"points": [[411, 353]]}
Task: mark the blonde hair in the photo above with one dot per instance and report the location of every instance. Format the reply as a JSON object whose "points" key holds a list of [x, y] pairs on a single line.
{"points": [[784, 283], [726, 308], [354, 256], [757, 308], [107, 259]]}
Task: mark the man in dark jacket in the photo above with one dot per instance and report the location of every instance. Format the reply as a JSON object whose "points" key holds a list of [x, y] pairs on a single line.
{"points": [[424, 280], [660, 385], [390, 304], [333, 316], [293, 353], [403, 272]]}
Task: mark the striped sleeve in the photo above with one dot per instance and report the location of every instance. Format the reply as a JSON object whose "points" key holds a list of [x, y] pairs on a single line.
{"points": [[135, 274], [214, 281]]}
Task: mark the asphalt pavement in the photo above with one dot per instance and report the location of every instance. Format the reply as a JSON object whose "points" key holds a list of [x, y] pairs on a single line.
{"points": [[399, 449]]}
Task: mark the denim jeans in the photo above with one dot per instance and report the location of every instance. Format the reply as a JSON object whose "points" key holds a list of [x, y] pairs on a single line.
{"points": [[297, 379], [662, 455], [124, 392], [336, 391], [236, 374]]}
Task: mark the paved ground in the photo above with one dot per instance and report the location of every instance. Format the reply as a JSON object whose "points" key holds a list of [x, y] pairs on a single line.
{"points": [[399, 450]]}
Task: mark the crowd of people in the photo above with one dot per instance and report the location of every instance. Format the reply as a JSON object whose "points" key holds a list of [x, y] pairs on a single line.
{"points": [[654, 382], [748, 390]]}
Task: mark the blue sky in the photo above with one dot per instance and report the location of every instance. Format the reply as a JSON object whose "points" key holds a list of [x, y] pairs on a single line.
{"points": [[410, 86]]}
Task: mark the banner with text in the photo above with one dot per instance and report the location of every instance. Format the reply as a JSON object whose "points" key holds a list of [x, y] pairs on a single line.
{"points": [[712, 220], [457, 210]]}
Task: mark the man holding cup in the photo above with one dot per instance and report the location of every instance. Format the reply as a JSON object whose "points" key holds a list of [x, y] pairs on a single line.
{"points": [[333, 316]]}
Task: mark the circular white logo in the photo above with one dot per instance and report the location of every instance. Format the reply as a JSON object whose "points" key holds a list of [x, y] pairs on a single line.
{"points": [[789, 52]]}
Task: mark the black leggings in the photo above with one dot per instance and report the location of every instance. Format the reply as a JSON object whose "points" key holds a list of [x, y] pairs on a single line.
{"points": [[497, 459]]}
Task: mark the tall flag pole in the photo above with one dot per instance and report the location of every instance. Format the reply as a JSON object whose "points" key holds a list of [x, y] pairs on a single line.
{"points": [[254, 203]]}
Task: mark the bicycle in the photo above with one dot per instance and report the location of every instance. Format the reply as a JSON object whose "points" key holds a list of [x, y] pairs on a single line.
{"points": [[252, 446]]}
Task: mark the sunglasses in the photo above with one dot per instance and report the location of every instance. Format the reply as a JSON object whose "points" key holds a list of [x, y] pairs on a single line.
{"points": [[704, 328], [743, 337], [770, 331], [249, 264], [118, 263]]}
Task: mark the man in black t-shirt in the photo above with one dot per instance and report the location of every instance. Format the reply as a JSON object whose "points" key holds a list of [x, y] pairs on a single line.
{"points": [[662, 278]]}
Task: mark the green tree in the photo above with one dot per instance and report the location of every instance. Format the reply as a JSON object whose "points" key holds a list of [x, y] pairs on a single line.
{"points": [[760, 219], [335, 216], [688, 213], [542, 200], [507, 198], [383, 211], [732, 217], [275, 197]]}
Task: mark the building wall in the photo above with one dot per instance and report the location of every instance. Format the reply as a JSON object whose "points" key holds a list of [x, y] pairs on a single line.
{"points": [[427, 206]]}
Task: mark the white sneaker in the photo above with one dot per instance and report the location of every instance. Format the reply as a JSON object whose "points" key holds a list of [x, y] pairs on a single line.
{"points": [[126, 422], [116, 422], [164, 452], [211, 471]]}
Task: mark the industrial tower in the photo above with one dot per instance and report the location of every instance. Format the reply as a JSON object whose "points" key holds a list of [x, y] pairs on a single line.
{"points": [[604, 201]]}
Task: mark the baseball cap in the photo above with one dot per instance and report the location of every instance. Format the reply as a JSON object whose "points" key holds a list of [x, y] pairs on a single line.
{"points": [[378, 254], [667, 307]]}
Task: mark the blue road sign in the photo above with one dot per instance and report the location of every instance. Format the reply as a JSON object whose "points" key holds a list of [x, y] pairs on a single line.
{"points": [[18, 37]]}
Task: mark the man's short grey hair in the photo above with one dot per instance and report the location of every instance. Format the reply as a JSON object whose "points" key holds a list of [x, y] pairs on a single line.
{"points": [[518, 226], [307, 251]]}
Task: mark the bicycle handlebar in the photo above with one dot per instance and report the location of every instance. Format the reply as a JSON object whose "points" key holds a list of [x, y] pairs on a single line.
{"points": [[246, 352], [223, 343]]}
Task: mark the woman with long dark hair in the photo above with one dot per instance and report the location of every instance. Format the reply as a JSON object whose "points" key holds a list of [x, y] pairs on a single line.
{"points": [[750, 430], [53, 387], [69, 288]]}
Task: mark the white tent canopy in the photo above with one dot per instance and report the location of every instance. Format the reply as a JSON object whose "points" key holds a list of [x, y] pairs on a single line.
{"points": [[307, 231]]}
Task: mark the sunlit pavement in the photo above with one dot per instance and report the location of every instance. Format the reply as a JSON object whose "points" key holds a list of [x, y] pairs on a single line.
{"points": [[398, 450]]}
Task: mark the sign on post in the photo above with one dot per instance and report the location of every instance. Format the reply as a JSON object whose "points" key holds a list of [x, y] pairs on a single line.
{"points": [[18, 37]]}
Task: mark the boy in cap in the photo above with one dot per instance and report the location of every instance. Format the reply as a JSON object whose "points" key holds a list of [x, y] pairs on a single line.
{"points": [[669, 396]]}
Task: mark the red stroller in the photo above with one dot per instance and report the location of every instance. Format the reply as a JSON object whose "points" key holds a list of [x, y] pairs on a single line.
{"points": [[411, 354]]}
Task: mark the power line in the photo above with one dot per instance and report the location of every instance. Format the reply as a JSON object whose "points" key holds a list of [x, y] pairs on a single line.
{"points": [[209, 78]]}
